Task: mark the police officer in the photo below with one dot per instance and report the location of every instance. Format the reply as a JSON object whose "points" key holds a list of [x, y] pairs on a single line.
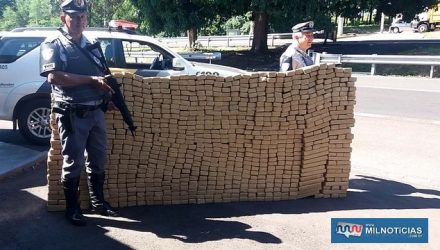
{"points": [[295, 56], [79, 91]]}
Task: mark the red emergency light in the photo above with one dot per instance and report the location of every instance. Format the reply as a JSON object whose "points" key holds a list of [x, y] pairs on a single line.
{"points": [[123, 24]]}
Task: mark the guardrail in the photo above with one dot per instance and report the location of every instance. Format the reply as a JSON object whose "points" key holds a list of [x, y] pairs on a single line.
{"points": [[187, 55], [378, 59], [229, 41], [273, 39]]}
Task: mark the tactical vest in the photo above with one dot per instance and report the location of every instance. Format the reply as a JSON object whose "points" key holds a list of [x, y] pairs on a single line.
{"points": [[299, 56], [77, 63]]}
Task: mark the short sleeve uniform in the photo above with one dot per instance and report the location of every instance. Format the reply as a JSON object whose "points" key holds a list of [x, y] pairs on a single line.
{"points": [[294, 58]]}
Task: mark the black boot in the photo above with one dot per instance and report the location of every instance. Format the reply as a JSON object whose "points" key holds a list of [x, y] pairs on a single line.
{"points": [[73, 209], [96, 191]]}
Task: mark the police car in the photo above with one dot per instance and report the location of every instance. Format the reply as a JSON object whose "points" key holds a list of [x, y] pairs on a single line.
{"points": [[25, 96]]}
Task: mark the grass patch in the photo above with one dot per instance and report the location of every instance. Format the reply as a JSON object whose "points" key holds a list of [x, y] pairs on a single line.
{"points": [[364, 29]]}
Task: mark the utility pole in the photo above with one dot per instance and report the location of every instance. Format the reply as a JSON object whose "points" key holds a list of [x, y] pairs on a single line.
{"points": [[382, 22], [340, 26]]}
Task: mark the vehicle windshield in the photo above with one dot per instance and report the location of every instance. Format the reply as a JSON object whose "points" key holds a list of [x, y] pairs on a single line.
{"points": [[144, 55], [12, 48]]}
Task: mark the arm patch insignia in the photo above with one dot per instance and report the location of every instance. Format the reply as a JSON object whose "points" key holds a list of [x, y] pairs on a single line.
{"points": [[49, 66]]}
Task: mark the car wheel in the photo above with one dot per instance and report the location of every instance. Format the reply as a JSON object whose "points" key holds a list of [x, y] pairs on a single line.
{"points": [[422, 28], [34, 121], [395, 30]]}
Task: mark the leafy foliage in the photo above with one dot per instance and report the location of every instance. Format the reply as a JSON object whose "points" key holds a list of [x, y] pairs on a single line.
{"points": [[241, 23], [6, 3], [210, 17]]}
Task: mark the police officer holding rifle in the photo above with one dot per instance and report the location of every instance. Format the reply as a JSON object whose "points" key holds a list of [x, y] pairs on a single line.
{"points": [[81, 94]]}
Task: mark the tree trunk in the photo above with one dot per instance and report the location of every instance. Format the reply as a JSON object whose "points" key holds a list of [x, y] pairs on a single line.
{"points": [[192, 37], [259, 43]]}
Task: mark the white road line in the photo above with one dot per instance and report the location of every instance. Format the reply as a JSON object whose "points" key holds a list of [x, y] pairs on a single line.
{"points": [[389, 117], [404, 89]]}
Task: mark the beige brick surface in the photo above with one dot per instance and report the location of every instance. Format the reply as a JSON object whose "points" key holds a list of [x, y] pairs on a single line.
{"points": [[201, 139]]}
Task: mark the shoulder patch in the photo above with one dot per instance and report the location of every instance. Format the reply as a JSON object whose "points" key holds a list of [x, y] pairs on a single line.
{"points": [[48, 66], [47, 53]]}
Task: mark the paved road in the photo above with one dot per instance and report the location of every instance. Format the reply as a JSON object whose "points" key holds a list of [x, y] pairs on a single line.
{"points": [[394, 174], [16, 153], [405, 97], [397, 129]]}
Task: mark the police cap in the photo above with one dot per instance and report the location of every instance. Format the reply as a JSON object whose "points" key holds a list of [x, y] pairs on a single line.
{"points": [[303, 27], [73, 6]]}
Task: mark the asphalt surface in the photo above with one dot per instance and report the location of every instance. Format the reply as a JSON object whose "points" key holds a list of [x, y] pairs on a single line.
{"points": [[393, 175], [16, 154], [299, 224]]}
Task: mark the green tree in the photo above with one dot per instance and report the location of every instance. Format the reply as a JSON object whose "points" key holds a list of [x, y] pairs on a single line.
{"points": [[101, 12], [280, 15], [24, 13], [126, 11], [6, 3], [17, 16], [9, 19], [407, 7], [172, 17], [40, 14], [237, 22]]}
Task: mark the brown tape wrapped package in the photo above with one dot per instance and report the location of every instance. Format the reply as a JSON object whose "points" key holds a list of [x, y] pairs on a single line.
{"points": [[200, 139]]}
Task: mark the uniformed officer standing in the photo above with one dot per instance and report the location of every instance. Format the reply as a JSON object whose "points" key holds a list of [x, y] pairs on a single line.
{"points": [[80, 91], [295, 56]]}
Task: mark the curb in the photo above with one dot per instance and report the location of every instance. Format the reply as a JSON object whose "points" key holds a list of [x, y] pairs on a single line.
{"points": [[30, 163]]}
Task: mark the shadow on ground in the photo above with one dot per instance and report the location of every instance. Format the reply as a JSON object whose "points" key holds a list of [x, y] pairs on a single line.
{"points": [[25, 223], [16, 138]]}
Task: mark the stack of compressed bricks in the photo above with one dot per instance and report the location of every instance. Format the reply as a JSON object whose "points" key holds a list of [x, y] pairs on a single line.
{"points": [[201, 139]]}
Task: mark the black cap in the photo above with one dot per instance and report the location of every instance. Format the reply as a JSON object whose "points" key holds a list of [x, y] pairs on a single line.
{"points": [[303, 27], [73, 6]]}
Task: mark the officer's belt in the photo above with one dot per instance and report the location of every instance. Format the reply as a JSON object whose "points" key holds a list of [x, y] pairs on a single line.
{"points": [[79, 107]]}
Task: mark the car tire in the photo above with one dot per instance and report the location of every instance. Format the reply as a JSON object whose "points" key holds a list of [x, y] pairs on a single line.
{"points": [[395, 30], [34, 121], [422, 28]]}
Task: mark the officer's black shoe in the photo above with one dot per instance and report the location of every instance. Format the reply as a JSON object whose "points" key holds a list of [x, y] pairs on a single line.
{"points": [[75, 217], [105, 209], [73, 211], [96, 192]]}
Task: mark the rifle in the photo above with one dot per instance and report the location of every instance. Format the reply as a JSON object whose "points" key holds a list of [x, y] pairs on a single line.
{"points": [[119, 102], [117, 97]]}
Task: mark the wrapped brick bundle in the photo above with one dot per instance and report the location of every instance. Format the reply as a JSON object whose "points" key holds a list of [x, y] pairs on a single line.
{"points": [[260, 137]]}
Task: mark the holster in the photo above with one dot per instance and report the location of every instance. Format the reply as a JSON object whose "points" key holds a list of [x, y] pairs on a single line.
{"points": [[67, 115], [73, 111], [104, 106]]}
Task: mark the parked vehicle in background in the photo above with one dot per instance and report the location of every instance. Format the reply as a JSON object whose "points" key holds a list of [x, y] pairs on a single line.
{"points": [[25, 95], [428, 20], [400, 26]]}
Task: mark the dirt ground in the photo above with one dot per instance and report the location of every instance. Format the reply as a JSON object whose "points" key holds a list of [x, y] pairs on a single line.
{"points": [[249, 61]]}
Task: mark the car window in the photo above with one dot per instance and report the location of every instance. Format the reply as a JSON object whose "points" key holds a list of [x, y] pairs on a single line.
{"points": [[109, 51], [142, 55], [12, 48]]}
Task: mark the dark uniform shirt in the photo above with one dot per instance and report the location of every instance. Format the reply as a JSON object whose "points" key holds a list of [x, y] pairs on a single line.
{"points": [[294, 58], [59, 54]]}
